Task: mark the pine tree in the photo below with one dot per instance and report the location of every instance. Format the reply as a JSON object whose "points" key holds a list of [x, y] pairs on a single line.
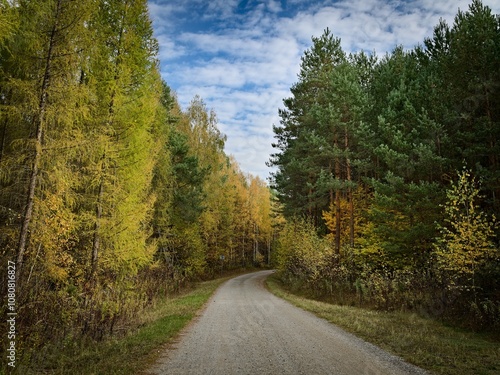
{"points": [[317, 137], [304, 156], [466, 59], [403, 144]]}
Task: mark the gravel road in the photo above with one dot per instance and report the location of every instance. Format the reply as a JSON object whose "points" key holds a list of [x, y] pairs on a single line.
{"points": [[247, 330]]}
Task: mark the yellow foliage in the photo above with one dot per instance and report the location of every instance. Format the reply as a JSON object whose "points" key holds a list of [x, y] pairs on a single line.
{"points": [[360, 201], [466, 243], [53, 236], [301, 252]]}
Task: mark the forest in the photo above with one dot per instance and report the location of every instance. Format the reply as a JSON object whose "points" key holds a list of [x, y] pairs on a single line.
{"points": [[387, 170], [386, 190], [111, 196]]}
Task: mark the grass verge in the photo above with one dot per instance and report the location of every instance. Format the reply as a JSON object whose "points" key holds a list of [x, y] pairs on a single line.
{"points": [[136, 351], [424, 342]]}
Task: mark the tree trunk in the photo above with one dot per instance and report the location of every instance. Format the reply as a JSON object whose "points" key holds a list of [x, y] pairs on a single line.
{"points": [[493, 157], [96, 243], [4, 129], [337, 221], [40, 119], [349, 193], [337, 202]]}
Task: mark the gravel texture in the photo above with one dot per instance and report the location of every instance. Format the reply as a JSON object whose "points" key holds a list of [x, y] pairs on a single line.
{"points": [[247, 330]]}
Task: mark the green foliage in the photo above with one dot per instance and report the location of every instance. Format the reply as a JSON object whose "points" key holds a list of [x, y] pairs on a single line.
{"points": [[465, 58], [7, 21], [303, 179], [188, 177], [397, 128], [401, 223]]}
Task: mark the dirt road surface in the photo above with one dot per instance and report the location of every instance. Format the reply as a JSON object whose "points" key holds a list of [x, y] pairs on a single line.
{"points": [[247, 330]]}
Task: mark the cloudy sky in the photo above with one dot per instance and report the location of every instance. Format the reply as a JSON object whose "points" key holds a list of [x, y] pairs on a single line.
{"points": [[242, 57]]}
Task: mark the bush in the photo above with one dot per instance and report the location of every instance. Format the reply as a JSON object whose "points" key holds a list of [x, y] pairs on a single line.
{"points": [[301, 253]]}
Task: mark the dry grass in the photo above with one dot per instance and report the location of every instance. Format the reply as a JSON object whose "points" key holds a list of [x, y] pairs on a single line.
{"points": [[133, 352], [424, 342]]}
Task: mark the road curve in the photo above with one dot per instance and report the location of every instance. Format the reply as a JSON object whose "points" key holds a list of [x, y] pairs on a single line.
{"points": [[247, 330]]}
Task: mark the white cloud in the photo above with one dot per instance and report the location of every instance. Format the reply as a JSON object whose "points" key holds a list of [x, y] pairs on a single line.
{"points": [[162, 14], [220, 8], [169, 49], [243, 65]]}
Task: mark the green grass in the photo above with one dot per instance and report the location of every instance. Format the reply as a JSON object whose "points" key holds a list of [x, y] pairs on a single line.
{"points": [[135, 351], [424, 342]]}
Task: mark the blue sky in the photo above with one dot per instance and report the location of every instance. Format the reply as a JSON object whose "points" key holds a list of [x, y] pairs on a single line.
{"points": [[242, 57]]}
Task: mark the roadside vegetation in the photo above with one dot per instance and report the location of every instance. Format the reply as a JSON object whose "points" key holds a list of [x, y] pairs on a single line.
{"points": [[133, 348], [388, 175], [424, 342]]}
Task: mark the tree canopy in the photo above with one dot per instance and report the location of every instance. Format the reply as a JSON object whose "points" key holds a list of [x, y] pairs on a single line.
{"points": [[367, 148]]}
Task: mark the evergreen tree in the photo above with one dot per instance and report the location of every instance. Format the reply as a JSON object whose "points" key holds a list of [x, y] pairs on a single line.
{"points": [[302, 160], [317, 137], [467, 57], [404, 144]]}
